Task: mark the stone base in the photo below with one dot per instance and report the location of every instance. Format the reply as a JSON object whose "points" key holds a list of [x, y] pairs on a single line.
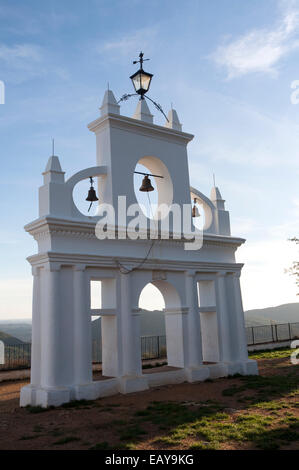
{"points": [[27, 395], [128, 384], [248, 367], [94, 390], [198, 374], [45, 397], [170, 377], [218, 370], [86, 391]]}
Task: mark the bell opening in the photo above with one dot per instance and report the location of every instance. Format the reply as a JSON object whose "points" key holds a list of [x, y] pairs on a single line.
{"points": [[83, 197], [147, 200]]}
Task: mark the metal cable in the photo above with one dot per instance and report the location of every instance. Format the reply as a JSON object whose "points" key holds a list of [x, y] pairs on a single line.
{"points": [[123, 268]]}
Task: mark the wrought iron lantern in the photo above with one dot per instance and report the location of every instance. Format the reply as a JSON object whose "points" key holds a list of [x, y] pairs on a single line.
{"points": [[141, 79]]}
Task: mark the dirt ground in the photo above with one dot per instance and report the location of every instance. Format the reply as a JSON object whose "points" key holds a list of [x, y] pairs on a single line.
{"points": [[104, 422]]}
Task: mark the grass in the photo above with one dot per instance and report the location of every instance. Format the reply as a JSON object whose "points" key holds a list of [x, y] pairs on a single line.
{"points": [[66, 440], [78, 404], [279, 353], [208, 428], [274, 385], [100, 446], [36, 409], [251, 412], [132, 433]]}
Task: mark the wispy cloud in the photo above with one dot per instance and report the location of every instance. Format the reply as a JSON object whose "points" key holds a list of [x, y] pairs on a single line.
{"points": [[20, 52], [260, 50], [128, 44], [21, 62]]}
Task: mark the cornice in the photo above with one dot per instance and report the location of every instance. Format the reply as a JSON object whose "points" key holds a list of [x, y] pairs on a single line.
{"points": [[100, 261], [49, 226], [124, 122]]}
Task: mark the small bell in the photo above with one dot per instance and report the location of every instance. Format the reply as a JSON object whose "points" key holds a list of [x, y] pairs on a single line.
{"points": [[195, 211], [92, 196], [146, 185]]}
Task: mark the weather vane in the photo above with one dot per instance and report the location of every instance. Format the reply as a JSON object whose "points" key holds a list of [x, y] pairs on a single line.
{"points": [[141, 81]]}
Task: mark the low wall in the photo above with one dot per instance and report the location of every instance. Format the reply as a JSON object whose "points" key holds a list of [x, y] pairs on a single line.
{"points": [[265, 346]]}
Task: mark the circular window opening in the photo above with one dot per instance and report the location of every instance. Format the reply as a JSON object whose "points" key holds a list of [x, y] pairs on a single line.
{"points": [[80, 193], [154, 204]]}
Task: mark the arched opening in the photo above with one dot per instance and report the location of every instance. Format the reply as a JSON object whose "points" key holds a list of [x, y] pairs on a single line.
{"points": [[205, 207], [200, 221], [80, 192], [152, 202], [161, 330]]}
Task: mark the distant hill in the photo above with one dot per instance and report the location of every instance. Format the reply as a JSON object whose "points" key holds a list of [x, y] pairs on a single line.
{"points": [[18, 329], [287, 313], [8, 339], [152, 323]]}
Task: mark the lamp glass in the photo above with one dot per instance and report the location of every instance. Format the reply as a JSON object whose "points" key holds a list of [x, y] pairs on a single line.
{"points": [[141, 81]]}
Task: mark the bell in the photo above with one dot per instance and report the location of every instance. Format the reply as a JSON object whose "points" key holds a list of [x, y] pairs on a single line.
{"points": [[195, 211], [92, 197], [146, 185]]}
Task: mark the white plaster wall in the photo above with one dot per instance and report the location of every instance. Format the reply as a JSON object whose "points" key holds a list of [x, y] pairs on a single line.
{"points": [[209, 336], [174, 339]]}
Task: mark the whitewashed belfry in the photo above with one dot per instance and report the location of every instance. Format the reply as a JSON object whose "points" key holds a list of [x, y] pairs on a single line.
{"points": [[205, 332]]}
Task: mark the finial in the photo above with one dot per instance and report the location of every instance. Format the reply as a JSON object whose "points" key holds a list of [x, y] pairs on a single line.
{"points": [[214, 179], [141, 60], [52, 147]]}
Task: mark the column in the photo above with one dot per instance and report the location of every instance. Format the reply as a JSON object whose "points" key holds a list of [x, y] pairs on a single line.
{"points": [[222, 318], [130, 330], [110, 328], [35, 374], [238, 318], [51, 334], [194, 332], [82, 355]]}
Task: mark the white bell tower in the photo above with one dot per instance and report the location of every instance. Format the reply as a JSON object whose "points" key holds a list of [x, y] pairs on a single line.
{"points": [[205, 332]]}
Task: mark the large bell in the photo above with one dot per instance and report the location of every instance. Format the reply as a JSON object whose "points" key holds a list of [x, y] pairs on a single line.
{"points": [[92, 196], [146, 185]]}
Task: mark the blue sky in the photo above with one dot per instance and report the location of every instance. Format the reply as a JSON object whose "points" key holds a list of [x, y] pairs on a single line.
{"points": [[227, 67]]}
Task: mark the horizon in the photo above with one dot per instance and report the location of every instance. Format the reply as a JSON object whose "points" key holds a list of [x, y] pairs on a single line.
{"points": [[26, 320], [229, 76]]}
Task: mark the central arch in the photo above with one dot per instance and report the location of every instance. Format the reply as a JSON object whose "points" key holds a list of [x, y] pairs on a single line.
{"points": [[174, 321]]}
